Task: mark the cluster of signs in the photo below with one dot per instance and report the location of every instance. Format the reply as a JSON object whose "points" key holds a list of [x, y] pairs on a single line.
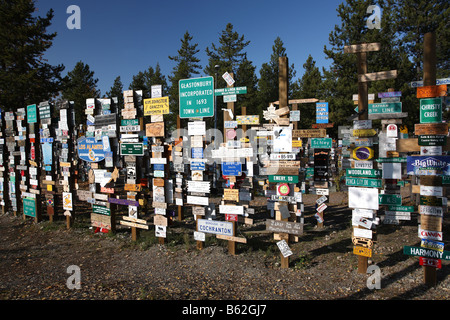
{"points": [[363, 182], [432, 167]]}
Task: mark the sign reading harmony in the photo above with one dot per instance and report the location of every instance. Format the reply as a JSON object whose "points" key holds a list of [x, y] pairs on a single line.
{"points": [[196, 97]]}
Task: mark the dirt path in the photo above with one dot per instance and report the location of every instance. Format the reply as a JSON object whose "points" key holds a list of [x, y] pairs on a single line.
{"points": [[34, 259]]}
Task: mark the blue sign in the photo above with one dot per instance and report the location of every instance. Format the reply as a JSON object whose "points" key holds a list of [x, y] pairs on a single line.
{"points": [[231, 168], [197, 153], [47, 153], [322, 112], [158, 167], [197, 166], [428, 165], [91, 150]]}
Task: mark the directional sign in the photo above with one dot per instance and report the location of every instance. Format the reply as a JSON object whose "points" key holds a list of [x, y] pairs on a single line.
{"points": [[372, 173], [362, 182], [196, 97], [432, 91], [390, 199]]}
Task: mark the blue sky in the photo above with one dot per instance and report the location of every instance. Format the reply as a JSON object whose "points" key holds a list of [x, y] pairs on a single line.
{"points": [[121, 38]]}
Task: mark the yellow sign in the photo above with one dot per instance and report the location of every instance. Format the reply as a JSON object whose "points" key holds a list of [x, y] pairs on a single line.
{"points": [[364, 132], [156, 106], [361, 251], [296, 143]]}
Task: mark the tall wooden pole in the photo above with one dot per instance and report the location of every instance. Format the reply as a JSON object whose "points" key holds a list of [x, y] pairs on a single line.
{"points": [[429, 79], [363, 114], [283, 102]]}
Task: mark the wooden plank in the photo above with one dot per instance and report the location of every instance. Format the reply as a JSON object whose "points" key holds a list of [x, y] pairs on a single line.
{"points": [[412, 145], [132, 224], [363, 47], [430, 129], [231, 238], [432, 91], [375, 76]]}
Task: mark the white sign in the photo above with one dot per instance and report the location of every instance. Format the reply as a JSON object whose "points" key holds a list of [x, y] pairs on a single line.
{"points": [[281, 156], [67, 201], [365, 213], [431, 191], [224, 209], [284, 248], [215, 227], [202, 201], [199, 236], [197, 128], [391, 131], [282, 139], [199, 186], [362, 233], [363, 198], [362, 164], [431, 151], [228, 79], [322, 207], [431, 210], [325, 192]]}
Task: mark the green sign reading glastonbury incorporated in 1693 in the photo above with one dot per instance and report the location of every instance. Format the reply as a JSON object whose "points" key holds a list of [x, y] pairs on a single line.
{"points": [[196, 97]]}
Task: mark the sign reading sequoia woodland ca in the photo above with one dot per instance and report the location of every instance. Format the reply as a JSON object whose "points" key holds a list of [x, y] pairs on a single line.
{"points": [[196, 97]]}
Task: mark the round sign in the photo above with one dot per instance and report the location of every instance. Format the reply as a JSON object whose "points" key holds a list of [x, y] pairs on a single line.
{"points": [[231, 134], [283, 189], [363, 153]]}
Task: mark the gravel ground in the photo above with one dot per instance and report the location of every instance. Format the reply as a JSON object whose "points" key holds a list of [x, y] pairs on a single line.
{"points": [[34, 259]]}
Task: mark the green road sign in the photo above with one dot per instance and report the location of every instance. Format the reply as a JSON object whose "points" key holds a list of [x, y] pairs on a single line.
{"points": [[362, 182], [321, 143], [391, 160], [29, 207], [370, 173], [287, 179], [32, 114], [390, 199], [129, 122], [427, 253], [401, 208], [196, 97], [430, 110], [387, 107], [131, 149], [230, 91]]}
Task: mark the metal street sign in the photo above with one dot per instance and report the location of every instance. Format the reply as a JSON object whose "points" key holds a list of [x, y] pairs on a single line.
{"points": [[390, 199], [372, 173], [230, 91], [196, 97], [430, 110], [288, 179], [427, 253], [432, 140], [321, 143], [362, 182], [393, 107], [135, 149]]}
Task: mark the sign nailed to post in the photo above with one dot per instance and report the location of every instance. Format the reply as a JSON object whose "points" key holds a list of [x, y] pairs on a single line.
{"points": [[196, 97]]}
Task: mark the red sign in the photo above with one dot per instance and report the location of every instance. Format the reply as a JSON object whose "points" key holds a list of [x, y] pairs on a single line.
{"points": [[430, 262], [106, 190], [33, 153], [231, 217]]}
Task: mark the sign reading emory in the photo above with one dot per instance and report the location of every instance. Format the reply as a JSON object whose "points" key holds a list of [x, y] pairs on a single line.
{"points": [[196, 97]]}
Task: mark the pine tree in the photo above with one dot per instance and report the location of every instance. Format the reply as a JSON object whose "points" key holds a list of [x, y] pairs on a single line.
{"points": [[246, 77], [415, 18], [79, 85], [187, 66], [341, 78], [308, 86], [117, 91], [268, 82], [25, 77], [228, 56]]}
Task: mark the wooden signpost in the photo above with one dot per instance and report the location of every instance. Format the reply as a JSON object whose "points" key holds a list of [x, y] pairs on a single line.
{"points": [[364, 114], [132, 151], [3, 172], [431, 130]]}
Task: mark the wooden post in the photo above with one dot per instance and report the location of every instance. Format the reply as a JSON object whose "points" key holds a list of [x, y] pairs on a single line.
{"points": [[180, 208], [429, 79], [226, 117], [283, 90]]}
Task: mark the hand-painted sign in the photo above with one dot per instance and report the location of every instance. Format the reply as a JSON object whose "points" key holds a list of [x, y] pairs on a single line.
{"points": [[91, 150], [363, 153]]}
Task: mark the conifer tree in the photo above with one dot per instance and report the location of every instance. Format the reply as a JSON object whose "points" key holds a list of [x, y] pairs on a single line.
{"points": [[25, 77], [79, 85]]}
